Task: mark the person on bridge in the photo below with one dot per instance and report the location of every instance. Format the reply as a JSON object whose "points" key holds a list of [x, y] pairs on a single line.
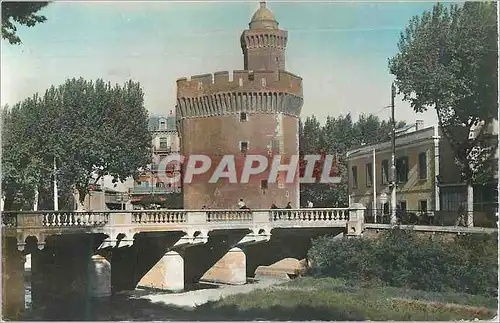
{"points": [[242, 205], [273, 207], [289, 206], [461, 216]]}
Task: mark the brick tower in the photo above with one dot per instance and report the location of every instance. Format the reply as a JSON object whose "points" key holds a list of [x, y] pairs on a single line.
{"points": [[253, 112]]}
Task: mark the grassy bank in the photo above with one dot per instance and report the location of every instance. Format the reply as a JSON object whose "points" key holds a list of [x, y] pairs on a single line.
{"points": [[303, 299], [335, 299]]}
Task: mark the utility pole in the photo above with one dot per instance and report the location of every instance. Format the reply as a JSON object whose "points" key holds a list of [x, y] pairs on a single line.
{"points": [[374, 180], [392, 185], [56, 201]]}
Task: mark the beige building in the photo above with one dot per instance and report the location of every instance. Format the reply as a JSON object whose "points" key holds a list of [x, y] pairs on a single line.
{"points": [[427, 178], [148, 188]]}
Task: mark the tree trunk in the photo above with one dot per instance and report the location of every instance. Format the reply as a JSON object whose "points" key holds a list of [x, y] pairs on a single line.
{"points": [[470, 205]]}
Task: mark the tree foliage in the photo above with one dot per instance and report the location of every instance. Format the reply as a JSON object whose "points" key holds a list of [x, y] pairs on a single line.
{"points": [[336, 137], [467, 263], [447, 60], [92, 129], [22, 13]]}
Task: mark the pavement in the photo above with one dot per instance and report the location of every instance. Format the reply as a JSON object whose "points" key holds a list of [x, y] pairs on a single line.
{"points": [[198, 297]]}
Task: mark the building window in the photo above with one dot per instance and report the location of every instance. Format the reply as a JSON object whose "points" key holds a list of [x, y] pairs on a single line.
{"points": [[160, 184], [163, 143], [244, 146], [163, 125], [422, 165], [354, 176], [263, 82], [250, 76], [263, 184], [422, 206], [385, 171], [200, 85], [402, 169], [369, 174], [402, 205], [240, 82], [386, 208], [243, 117]]}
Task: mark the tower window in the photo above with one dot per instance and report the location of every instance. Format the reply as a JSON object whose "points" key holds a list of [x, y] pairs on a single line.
{"points": [[243, 117], [251, 76], [263, 82], [244, 146]]}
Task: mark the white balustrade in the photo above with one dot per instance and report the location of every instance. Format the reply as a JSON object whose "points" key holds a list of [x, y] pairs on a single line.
{"points": [[159, 217], [228, 215], [58, 219]]}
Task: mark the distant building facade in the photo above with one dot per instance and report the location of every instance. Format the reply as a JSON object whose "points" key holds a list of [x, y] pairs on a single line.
{"points": [[427, 177], [148, 188], [254, 111]]}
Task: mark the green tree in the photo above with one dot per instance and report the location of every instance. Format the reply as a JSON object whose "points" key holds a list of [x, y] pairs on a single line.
{"points": [[90, 129], [22, 13], [336, 137], [447, 60]]}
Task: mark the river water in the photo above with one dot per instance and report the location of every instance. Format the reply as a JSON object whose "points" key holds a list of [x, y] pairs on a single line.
{"points": [[142, 305]]}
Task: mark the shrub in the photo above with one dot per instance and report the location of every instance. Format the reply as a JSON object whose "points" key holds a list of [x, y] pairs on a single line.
{"points": [[404, 259]]}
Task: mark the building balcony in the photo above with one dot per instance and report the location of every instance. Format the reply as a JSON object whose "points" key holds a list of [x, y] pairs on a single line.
{"points": [[162, 149], [153, 190], [171, 168]]}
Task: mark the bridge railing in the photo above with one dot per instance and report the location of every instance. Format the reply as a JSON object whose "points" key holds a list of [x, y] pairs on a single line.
{"points": [[434, 218], [54, 219], [69, 219]]}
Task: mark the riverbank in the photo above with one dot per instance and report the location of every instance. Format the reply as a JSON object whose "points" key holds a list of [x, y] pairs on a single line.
{"points": [[301, 299]]}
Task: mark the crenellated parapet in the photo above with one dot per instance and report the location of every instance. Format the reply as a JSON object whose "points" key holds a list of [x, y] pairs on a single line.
{"points": [[266, 92], [273, 38]]}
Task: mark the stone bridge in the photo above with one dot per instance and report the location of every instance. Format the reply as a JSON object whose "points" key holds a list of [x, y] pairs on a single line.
{"points": [[92, 254]]}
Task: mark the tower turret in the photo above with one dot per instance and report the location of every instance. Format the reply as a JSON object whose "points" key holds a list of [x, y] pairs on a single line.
{"points": [[264, 44], [250, 112]]}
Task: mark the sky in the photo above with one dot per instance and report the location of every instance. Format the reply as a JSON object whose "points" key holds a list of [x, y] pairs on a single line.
{"points": [[340, 49]]}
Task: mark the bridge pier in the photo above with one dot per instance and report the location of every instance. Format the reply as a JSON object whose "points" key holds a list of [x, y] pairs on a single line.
{"points": [[230, 269], [12, 280], [166, 274], [99, 277]]}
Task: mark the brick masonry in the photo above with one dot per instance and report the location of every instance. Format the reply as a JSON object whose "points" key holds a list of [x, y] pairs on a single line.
{"points": [[209, 110]]}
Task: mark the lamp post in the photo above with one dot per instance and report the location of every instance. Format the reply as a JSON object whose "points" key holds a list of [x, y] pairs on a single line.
{"points": [[393, 159]]}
